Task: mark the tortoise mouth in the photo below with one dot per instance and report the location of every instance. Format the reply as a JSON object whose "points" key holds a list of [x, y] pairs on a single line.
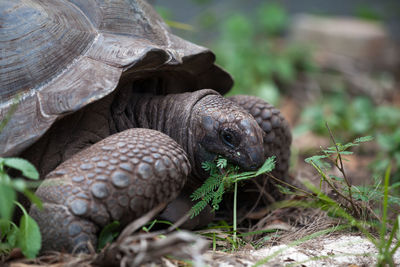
{"points": [[244, 166]]}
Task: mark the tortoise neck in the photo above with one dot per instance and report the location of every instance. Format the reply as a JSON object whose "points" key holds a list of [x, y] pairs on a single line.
{"points": [[169, 114]]}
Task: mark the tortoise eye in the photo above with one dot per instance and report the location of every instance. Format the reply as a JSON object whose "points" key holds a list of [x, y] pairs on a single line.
{"points": [[228, 138]]}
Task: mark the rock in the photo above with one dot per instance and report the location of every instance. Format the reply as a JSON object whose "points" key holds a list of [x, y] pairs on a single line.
{"points": [[330, 251], [336, 38]]}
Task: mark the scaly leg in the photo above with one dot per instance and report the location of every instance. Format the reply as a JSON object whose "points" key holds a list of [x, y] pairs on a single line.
{"points": [[119, 178]]}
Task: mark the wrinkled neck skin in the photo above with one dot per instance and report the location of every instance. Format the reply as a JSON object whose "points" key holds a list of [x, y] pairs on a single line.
{"points": [[170, 114]]}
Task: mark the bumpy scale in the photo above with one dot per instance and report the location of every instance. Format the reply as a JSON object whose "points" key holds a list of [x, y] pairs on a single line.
{"points": [[119, 178]]}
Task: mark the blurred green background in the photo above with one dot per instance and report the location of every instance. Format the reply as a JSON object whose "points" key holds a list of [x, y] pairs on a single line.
{"points": [[253, 41]]}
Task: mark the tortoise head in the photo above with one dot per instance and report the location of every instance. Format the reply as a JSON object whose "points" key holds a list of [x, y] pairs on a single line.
{"points": [[221, 127]]}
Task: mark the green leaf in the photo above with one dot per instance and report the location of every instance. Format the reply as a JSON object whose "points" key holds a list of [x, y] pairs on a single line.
{"points": [[108, 234], [207, 198], [209, 185], [27, 169], [19, 184], [34, 199], [398, 228], [222, 163], [12, 234], [5, 179], [317, 162], [7, 198], [315, 158], [197, 208], [346, 153], [364, 139], [8, 235], [217, 198], [337, 178], [29, 239], [329, 151], [395, 185], [268, 166], [4, 227], [207, 166]]}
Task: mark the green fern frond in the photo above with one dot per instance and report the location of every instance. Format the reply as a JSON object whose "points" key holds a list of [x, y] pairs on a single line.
{"points": [[317, 160], [209, 185], [222, 163], [207, 165], [363, 139], [207, 197], [268, 166], [222, 176], [197, 208], [217, 197]]}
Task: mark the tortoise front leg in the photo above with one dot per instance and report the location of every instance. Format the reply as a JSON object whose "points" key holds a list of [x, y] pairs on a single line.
{"points": [[119, 178]]}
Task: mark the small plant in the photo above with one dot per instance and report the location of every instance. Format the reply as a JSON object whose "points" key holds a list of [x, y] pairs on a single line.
{"points": [[26, 235], [222, 177], [352, 117], [353, 204], [340, 185], [387, 242]]}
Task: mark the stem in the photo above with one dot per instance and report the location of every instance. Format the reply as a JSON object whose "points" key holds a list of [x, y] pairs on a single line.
{"points": [[373, 213], [291, 186], [234, 214], [323, 175], [392, 233], [341, 169], [395, 248], [385, 207]]}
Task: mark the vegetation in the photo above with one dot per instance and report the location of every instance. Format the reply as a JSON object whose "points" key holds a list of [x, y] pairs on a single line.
{"points": [[13, 174], [263, 63], [351, 117], [366, 207], [222, 177], [26, 235], [254, 50]]}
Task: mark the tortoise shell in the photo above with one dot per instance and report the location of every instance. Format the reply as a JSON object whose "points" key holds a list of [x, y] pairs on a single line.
{"points": [[57, 56]]}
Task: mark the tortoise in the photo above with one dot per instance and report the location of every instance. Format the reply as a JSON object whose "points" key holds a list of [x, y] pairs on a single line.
{"points": [[117, 113]]}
